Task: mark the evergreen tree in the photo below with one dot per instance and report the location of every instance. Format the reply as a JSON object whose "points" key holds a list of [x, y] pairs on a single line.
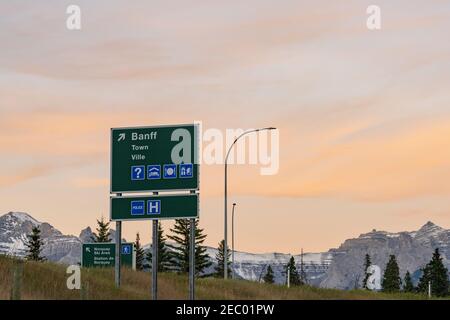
{"points": [[103, 234], [139, 253], [164, 256], [367, 264], [408, 285], [422, 286], [268, 278], [220, 259], [391, 279], [294, 277], [181, 235], [436, 273], [181, 232], [34, 245]]}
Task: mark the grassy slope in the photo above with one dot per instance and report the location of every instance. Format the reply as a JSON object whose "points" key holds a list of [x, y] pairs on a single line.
{"points": [[48, 281]]}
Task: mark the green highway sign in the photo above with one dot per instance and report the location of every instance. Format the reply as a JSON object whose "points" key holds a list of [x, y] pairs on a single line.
{"points": [[160, 158], [154, 207], [102, 254], [151, 160]]}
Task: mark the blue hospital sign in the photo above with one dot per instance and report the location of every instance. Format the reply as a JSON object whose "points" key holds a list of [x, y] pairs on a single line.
{"points": [[154, 207]]}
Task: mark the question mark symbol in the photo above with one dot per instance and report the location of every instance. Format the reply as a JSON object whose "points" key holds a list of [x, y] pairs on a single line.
{"points": [[138, 171]]}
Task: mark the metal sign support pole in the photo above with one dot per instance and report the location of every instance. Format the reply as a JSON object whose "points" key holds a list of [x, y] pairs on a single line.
{"points": [[192, 261], [155, 260], [289, 277], [225, 237], [118, 245]]}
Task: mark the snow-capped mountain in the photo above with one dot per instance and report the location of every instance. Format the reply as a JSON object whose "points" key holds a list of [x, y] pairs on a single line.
{"points": [[412, 249], [337, 268], [15, 226], [434, 236], [253, 267]]}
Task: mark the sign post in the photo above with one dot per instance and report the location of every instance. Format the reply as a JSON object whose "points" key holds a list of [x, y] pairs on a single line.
{"points": [[192, 260], [155, 159], [155, 261], [117, 253]]}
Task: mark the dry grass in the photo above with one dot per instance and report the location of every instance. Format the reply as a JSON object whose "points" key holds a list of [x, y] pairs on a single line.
{"points": [[48, 281]]}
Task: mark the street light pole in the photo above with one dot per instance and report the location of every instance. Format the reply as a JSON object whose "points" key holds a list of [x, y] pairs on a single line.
{"points": [[225, 271], [232, 242]]}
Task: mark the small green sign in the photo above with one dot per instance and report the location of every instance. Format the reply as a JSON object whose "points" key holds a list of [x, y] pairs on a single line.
{"points": [[154, 158], [103, 254], [154, 207]]}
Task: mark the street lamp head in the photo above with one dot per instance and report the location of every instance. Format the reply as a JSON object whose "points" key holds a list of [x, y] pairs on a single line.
{"points": [[234, 204]]}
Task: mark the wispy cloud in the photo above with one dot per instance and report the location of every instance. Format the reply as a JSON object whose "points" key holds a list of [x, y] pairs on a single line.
{"points": [[407, 162], [65, 134], [9, 179], [89, 182]]}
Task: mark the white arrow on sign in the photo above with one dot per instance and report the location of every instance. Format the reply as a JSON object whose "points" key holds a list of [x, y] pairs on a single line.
{"points": [[121, 137]]}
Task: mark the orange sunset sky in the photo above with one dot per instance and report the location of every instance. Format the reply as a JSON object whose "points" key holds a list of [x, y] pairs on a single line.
{"points": [[363, 116]]}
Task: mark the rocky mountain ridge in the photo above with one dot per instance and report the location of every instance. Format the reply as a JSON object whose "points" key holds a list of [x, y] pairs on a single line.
{"points": [[336, 268]]}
